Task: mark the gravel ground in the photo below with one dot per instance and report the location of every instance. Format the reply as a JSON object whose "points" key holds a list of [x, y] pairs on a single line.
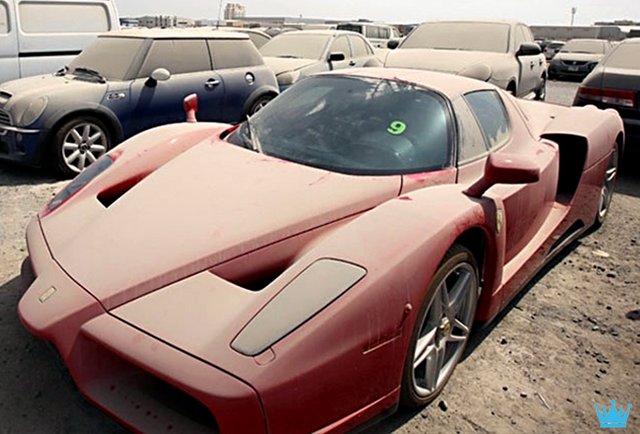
{"points": [[570, 340]]}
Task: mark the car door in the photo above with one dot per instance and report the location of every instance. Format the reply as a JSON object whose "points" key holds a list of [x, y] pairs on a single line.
{"points": [[157, 103], [9, 63], [341, 45], [526, 206], [361, 50], [238, 64], [531, 67]]}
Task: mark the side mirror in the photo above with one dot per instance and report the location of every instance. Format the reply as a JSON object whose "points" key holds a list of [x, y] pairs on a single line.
{"points": [[191, 107], [505, 169], [392, 44], [529, 49], [336, 57]]}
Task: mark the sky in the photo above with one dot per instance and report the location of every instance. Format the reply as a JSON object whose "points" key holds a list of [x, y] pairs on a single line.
{"points": [[556, 12]]}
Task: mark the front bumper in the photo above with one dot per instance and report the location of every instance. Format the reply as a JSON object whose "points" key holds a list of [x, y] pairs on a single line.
{"points": [[21, 144], [142, 382]]}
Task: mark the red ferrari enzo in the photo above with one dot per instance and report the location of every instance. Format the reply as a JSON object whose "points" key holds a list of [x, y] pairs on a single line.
{"points": [[318, 264]]}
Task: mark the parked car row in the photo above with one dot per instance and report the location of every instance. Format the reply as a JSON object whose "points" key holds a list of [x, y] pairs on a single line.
{"points": [[578, 57]]}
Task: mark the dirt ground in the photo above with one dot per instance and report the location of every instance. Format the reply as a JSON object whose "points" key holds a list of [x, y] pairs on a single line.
{"points": [[572, 339]]}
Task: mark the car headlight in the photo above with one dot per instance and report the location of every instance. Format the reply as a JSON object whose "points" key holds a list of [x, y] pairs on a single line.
{"points": [[33, 111], [311, 291], [288, 78]]}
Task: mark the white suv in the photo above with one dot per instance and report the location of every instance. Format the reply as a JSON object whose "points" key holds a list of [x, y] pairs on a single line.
{"points": [[378, 34]]}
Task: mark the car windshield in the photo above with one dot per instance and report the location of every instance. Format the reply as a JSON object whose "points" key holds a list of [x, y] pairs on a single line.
{"points": [[107, 57], [493, 37], [587, 47], [626, 56], [296, 45], [353, 125]]}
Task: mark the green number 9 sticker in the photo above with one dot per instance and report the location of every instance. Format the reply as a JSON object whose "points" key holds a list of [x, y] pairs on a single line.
{"points": [[397, 128]]}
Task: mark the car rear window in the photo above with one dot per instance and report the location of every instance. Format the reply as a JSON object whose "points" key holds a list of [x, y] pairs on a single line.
{"points": [[626, 56], [227, 53]]}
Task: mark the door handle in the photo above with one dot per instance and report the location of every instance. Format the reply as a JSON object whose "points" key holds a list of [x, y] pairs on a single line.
{"points": [[211, 83], [352, 63], [532, 65]]}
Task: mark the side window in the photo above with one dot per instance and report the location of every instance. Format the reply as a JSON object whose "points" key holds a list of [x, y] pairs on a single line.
{"points": [[528, 35], [373, 32], [341, 45], [359, 46], [492, 116], [384, 33], [63, 17], [229, 53], [180, 56], [471, 144], [258, 39], [519, 38], [4, 19]]}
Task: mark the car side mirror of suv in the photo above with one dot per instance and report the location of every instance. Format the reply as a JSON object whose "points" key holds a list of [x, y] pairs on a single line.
{"points": [[336, 57], [529, 49], [158, 74]]}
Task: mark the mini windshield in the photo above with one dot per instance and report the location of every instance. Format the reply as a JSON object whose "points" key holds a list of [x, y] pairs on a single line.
{"points": [[493, 37], [296, 45], [107, 57], [353, 125], [587, 47]]}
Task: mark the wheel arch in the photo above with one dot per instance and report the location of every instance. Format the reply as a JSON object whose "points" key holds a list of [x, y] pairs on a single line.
{"points": [[106, 116], [257, 94]]}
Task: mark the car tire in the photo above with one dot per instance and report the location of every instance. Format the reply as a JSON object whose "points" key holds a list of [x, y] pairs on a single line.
{"points": [[78, 143], [259, 104], [435, 347], [541, 92], [608, 188]]}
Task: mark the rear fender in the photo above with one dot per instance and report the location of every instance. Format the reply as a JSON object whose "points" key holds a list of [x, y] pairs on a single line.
{"points": [[600, 129]]}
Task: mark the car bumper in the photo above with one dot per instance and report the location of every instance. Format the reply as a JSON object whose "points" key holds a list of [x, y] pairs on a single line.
{"points": [[145, 384], [21, 144]]}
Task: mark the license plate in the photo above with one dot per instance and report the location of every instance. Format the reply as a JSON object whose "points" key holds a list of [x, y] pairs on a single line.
{"points": [[573, 68]]}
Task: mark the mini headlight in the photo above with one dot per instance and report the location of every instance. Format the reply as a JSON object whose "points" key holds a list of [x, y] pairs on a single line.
{"points": [[33, 111]]}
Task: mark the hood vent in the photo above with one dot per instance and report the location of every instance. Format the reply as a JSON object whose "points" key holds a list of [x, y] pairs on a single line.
{"points": [[109, 196]]}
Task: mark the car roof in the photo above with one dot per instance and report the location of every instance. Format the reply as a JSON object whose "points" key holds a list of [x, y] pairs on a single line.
{"points": [[175, 34], [449, 85], [509, 22], [322, 32]]}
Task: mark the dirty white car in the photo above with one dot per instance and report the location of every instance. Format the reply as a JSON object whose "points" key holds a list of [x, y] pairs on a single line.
{"points": [[501, 52]]}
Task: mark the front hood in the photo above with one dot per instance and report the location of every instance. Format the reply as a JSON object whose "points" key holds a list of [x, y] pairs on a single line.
{"points": [[452, 61], [212, 203], [578, 57], [280, 65], [54, 88]]}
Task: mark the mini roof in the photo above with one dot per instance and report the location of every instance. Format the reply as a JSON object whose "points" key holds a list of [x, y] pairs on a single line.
{"points": [[175, 34]]}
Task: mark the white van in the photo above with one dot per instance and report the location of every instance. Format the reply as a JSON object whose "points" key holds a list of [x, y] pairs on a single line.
{"points": [[378, 34], [42, 36]]}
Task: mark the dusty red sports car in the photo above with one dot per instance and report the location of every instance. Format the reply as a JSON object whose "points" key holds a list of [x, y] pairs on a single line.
{"points": [[318, 264]]}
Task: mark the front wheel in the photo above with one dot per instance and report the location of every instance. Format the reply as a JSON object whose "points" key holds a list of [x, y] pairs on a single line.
{"points": [[442, 328], [78, 143]]}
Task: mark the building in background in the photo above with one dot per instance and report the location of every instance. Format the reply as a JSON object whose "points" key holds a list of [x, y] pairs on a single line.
{"points": [[565, 33], [164, 21], [233, 11]]}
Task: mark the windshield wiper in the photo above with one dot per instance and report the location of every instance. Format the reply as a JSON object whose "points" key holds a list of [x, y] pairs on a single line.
{"points": [[288, 56], [252, 138], [91, 72]]}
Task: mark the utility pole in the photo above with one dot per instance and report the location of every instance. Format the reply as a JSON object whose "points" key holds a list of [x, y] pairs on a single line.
{"points": [[219, 12], [573, 14]]}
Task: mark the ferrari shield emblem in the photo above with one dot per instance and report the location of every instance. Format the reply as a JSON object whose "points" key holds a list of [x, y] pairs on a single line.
{"points": [[499, 220]]}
